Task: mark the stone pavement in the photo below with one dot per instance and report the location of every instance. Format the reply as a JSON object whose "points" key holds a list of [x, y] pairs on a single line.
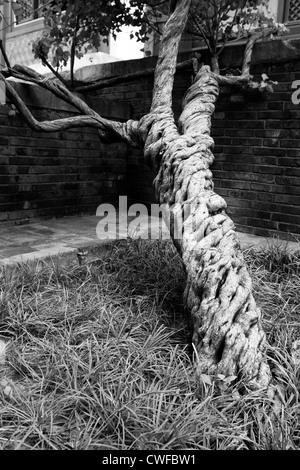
{"points": [[38, 240], [45, 238]]}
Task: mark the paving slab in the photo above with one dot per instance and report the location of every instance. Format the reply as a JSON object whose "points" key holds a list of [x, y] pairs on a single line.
{"points": [[248, 239], [36, 255], [52, 237]]}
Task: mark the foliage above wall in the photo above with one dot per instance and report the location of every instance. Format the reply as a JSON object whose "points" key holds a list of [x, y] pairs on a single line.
{"points": [[74, 27]]}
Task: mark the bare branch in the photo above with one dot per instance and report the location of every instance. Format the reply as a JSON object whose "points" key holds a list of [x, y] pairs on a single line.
{"points": [[248, 53], [151, 24], [109, 131], [254, 37], [245, 79], [242, 81], [57, 74], [73, 49], [57, 88], [201, 31], [166, 64], [49, 126], [4, 53], [226, 41]]}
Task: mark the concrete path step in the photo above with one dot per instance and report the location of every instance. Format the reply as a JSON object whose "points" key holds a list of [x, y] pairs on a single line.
{"points": [[45, 238]]}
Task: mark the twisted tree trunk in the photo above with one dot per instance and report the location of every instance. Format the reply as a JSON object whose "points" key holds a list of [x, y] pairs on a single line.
{"points": [[227, 330], [226, 321]]}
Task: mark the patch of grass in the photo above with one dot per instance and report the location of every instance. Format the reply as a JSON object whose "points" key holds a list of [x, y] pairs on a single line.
{"points": [[98, 356]]}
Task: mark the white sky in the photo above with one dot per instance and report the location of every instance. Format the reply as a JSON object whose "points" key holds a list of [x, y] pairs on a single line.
{"points": [[124, 47]]}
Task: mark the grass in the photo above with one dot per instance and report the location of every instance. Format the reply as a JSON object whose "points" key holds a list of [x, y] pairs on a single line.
{"points": [[98, 356]]}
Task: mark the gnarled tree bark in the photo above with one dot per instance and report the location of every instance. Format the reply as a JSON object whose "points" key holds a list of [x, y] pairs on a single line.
{"points": [[227, 331]]}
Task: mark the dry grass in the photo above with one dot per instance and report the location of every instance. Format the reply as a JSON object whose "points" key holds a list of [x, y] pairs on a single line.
{"points": [[99, 357]]}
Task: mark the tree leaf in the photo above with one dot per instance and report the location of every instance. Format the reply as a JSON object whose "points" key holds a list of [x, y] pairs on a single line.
{"points": [[230, 379], [206, 379], [221, 376]]}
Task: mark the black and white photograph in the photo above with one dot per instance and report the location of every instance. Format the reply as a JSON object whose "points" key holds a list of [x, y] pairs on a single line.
{"points": [[150, 228]]}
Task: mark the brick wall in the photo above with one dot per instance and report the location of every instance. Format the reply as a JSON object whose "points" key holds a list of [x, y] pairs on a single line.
{"points": [[56, 174], [139, 94], [257, 152], [257, 144], [257, 149], [257, 156]]}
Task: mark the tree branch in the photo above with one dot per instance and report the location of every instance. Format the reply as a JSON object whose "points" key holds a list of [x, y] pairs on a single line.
{"points": [[166, 64], [245, 79], [57, 88], [233, 80], [109, 131], [73, 49], [254, 37], [248, 53], [57, 74], [226, 41], [4, 54], [201, 32], [154, 28]]}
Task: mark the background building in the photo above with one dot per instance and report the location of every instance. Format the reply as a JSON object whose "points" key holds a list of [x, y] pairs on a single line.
{"points": [[20, 27]]}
